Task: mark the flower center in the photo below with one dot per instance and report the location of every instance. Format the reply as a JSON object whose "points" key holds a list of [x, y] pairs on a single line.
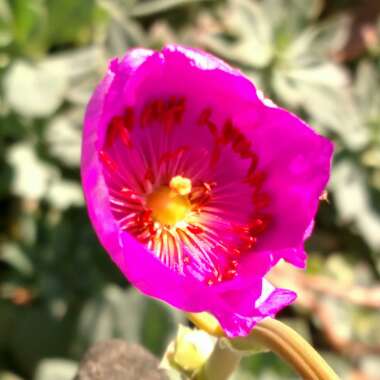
{"points": [[171, 204], [198, 226]]}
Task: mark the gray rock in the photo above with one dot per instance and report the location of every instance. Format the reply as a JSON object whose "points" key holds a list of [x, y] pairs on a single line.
{"points": [[119, 360]]}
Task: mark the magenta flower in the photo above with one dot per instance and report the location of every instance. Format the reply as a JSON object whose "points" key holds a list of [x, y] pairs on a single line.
{"points": [[197, 186]]}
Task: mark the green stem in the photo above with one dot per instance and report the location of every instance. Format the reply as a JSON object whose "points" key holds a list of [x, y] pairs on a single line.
{"points": [[221, 363], [280, 339], [294, 349]]}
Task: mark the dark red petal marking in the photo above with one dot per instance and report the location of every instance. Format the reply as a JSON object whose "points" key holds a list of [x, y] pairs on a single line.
{"points": [[228, 133], [177, 108], [212, 128], [215, 155], [118, 129], [230, 274], [258, 225], [257, 179], [152, 112], [173, 113], [253, 165], [195, 229], [149, 175], [107, 161], [129, 118], [247, 242], [204, 117], [172, 155], [242, 147], [235, 254], [261, 200]]}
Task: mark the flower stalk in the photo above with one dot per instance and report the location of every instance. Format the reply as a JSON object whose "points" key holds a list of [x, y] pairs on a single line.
{"points": [[221, 364], [277, 337]]}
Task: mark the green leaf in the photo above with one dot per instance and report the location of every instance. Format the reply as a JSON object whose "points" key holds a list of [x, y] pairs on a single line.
{"points": [[35, 90], [123, 32], [57, 369], [31, 175], [331, 36], [6, 36], [7, 323], [292, 84], [9, 376], [16, 258], [109, 315], [304, 10], [158, 325], [70, 20], [63, 137], [367, 96], [63, 194], [353, 201], [253, 36], [28, 26], [151, 7], [37, 334]]}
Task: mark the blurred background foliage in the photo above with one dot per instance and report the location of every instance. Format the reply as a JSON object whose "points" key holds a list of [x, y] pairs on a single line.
{"points": [[59, 293]]}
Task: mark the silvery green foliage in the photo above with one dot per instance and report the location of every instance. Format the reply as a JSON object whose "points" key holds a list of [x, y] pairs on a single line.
{"points": [[277, 39], [35, 90], [356, 179]]}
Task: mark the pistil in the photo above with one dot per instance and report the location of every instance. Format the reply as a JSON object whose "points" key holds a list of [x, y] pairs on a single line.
{"points": [[170, 204]]}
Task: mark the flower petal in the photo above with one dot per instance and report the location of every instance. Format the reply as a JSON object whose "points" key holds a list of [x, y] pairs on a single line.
{"points": [[94, 187], [261, 301], [297, 162]]}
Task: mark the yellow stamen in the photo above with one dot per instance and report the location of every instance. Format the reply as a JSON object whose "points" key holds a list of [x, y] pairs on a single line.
{"points": [[170, 205], [181, 185]]}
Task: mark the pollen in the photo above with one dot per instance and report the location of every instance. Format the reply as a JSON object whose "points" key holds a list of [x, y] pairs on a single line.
{"points": [[180, 185], [168, 207]]}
